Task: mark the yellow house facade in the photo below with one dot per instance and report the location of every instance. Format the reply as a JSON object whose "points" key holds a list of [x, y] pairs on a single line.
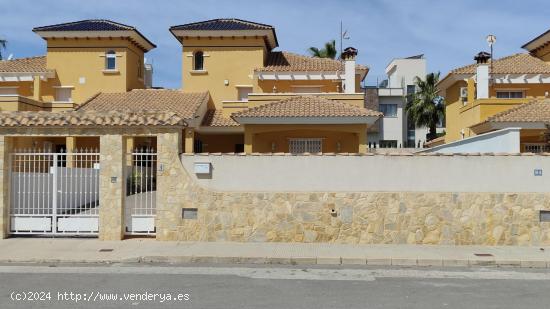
{"points": [[82, 59], [234, 60], [477, 93]]}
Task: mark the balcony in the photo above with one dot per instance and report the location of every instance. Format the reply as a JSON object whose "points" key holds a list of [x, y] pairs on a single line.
{"points": [[21, 103], [535, 147]]}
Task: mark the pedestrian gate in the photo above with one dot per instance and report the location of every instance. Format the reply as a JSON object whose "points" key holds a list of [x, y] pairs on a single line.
{"points": [[54, 193], [141, 188]]}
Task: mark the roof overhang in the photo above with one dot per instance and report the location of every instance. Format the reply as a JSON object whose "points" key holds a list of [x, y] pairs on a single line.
{"points": [[369, 120], [133, 35], [269, 75], [450, 79], [488, 126], [537, 42], [268, 34], [220, 129], [521, 78], [25, 76]]}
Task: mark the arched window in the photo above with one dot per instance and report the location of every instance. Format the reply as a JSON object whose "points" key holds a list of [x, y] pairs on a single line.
{"points": [[198, 61], [110, 60]]}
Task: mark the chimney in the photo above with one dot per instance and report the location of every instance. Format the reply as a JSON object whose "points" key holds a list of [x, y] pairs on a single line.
{"points": [[348, 56], [482, 75]]}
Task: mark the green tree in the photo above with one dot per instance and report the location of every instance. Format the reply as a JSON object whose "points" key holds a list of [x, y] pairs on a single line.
{"points": [[329, 51], [3, 44], [425, 107]]}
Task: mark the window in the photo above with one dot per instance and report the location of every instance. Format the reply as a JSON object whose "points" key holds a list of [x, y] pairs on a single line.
{"points": [[9, 91], [110, 60], [301, 145], [388, 144], [63, 94], [198, 61], [411, 89], [510, 94], [243, 93], [389, 110]]}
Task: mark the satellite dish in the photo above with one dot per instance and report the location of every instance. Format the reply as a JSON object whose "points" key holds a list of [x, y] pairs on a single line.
{"points": [[10, 57]]}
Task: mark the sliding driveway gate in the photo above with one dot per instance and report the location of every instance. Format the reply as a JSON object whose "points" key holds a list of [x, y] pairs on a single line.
{"points": [[54, 193]]}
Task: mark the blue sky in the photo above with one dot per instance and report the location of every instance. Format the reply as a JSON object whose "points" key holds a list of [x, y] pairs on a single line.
{"points": [[449, 33]]}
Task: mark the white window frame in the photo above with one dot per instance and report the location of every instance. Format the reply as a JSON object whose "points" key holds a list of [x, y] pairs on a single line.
{"points": [[110, 54], [69, 98], [302, 145]]}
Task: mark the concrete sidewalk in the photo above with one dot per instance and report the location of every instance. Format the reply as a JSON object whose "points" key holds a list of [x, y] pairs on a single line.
{"points": [[71, 250]]}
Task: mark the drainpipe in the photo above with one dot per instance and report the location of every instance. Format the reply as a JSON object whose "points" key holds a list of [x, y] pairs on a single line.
{"points": [[348, 56]]}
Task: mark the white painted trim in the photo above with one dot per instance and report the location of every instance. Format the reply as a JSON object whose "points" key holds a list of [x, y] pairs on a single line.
{"points": [[71, 87], [198, 72], [95, 34], [335, 75], [62, 102], [24, 77], [522, 125], [306, 120], [305, 86], [244, 86], [522, 78], [228, 33], [490, 136], [9, 87], [115, 71]]}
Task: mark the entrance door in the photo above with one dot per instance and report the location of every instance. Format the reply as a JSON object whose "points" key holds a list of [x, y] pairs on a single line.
{"points": [[54, 193], [141, 188]]}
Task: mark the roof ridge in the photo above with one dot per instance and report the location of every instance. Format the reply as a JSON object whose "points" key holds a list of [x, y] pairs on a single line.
{"points": [[83, 21], [222, 19]]}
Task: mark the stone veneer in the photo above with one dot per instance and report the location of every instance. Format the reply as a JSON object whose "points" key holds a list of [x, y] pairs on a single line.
{"points": [[359, 217]]}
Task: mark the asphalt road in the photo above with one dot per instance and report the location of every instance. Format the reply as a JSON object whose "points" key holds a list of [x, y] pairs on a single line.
{"points": [[207, 286]]}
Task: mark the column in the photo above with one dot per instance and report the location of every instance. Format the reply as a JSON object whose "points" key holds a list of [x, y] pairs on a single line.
{"points": [[189, 140], [70, 145], [6, 144], [171, 183], [112, 189], [248, 140], [362, 140], [37, 91]]}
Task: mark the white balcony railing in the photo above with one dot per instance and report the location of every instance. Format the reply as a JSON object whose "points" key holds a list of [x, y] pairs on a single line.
{"points": [[536, 147]]}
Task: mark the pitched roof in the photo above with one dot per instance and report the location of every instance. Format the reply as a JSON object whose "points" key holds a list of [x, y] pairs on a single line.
{"points": [[89, 119], [24, 65], [94, 25], [521, 63], [87, 25], [184, 104], [281, 61], [222, 24], [215, 118], [306, 106], [535, 111]]}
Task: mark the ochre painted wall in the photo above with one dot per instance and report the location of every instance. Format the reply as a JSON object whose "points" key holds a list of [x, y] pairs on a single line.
{"points": [[461, 117], [76, 58], [228, 59], [348, 135]]}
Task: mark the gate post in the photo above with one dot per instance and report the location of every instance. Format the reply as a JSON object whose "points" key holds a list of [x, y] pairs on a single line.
{"points": [[6, 144], [112, 189]]}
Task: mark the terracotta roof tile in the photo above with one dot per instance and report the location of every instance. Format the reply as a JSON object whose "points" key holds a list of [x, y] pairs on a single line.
{"points": [[521, 63], [184, 104], [24, 65], [89, 119], [286, 62], [535, 111], [306, 106], [215, 118]]}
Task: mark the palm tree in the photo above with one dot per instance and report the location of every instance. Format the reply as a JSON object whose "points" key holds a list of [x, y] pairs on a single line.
{"points": [[329, 51], [425, 107], [3, 44]]}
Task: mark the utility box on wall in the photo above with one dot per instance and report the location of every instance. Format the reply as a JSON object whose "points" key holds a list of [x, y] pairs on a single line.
{"points": [[202, 168]]}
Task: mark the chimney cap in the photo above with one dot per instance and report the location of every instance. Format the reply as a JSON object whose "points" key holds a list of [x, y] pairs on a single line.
{"points": [[349, 52], [482, 57]]}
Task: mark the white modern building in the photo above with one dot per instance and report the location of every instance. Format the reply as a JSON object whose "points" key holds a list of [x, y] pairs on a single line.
{"points": [[389, 96]]}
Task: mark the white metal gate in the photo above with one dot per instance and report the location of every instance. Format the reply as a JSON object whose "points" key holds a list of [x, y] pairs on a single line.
{"points": [[54, 193], [141, 188]]}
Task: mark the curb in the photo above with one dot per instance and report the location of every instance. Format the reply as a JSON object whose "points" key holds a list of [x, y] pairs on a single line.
{"points": [[303, 260]]}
